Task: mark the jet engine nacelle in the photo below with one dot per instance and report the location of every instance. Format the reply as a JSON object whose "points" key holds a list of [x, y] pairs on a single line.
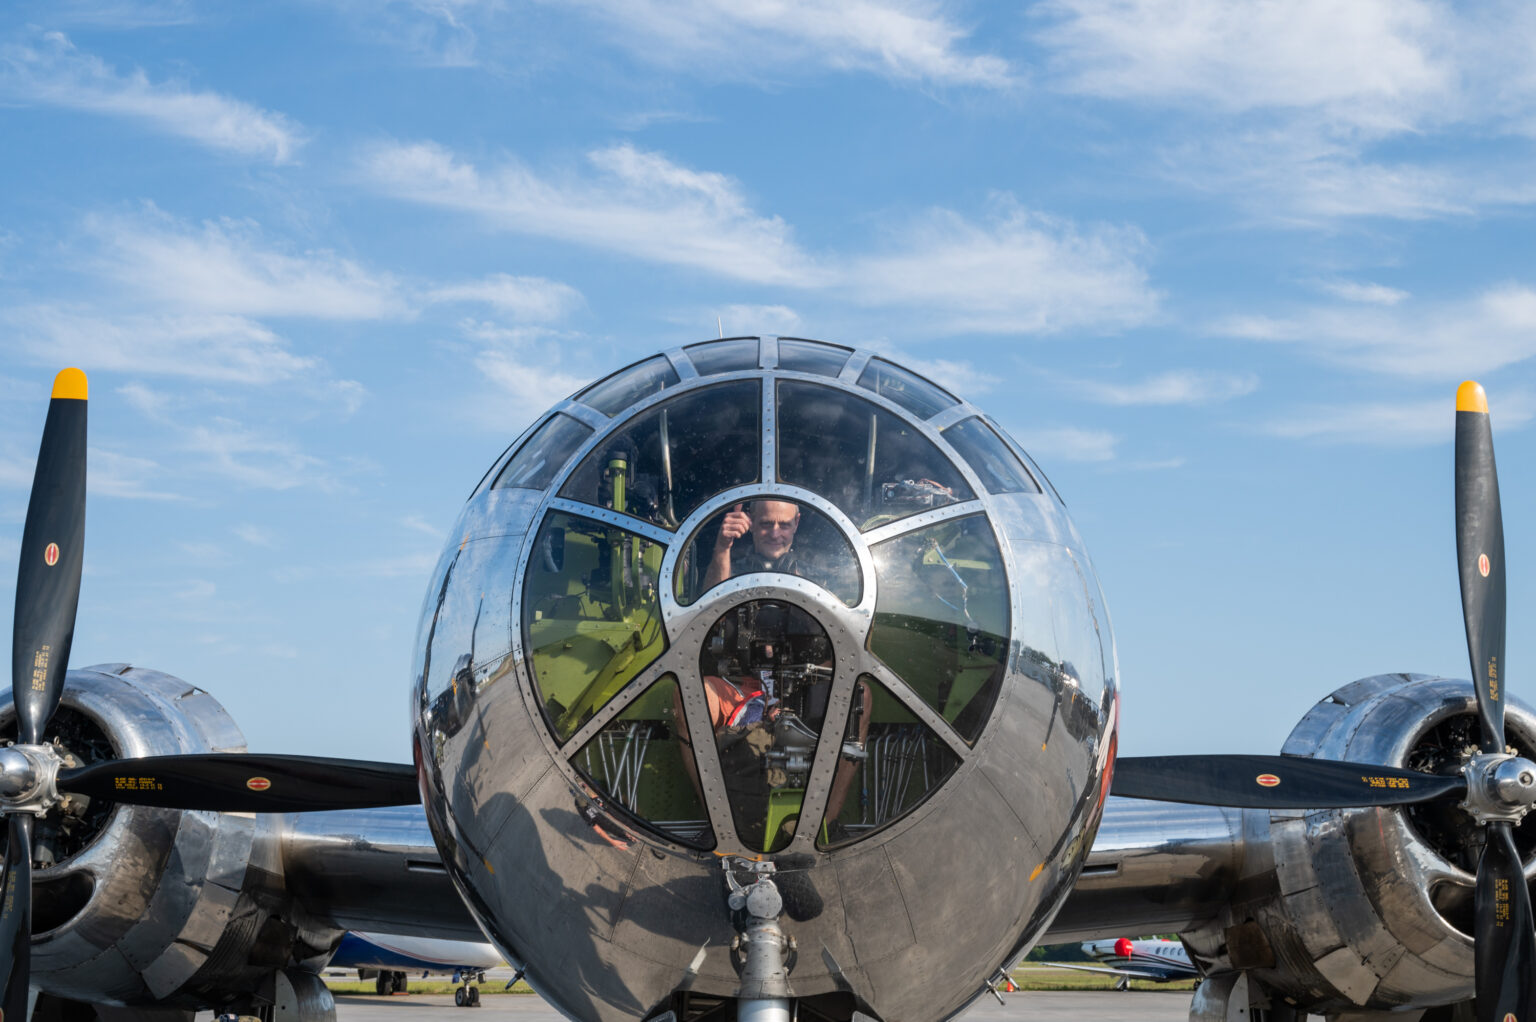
{"points": [[1360, 909], [136, 905]]}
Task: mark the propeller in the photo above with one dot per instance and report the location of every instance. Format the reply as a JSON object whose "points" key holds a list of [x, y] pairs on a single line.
{"points": [[1496, 787], [32, 773]]}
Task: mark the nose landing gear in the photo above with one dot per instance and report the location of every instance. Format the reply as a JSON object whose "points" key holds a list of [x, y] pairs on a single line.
{"points": [[465, 995]]}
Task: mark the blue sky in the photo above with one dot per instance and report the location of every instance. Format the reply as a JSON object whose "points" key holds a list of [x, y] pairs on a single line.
{"points": [[1219, 267]]}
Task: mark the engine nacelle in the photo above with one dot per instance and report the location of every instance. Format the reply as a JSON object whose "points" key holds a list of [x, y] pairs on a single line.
{"points": [[1361, 909], [136, 905]]}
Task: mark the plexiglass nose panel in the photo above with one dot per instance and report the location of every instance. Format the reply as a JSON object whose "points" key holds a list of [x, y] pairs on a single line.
{"points": [[766, 668], [873, 465], [941, 617], [669, 460], [591, 615], [768, 534], [890, 763], [642, 761]]}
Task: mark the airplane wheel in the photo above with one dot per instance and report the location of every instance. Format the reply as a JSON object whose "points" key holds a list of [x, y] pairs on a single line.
{"points": [[458, 997], [474, 997], [384, 983], [400, 983]]}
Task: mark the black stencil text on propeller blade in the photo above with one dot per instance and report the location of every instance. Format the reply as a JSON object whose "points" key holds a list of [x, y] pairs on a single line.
{"points": [[1276, 782], [237, 782]]}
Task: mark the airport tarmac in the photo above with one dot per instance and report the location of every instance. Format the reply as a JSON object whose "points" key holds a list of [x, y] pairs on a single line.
{"points": [[1034, 1005]]}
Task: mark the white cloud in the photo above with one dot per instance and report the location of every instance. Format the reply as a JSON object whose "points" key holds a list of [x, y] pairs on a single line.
{"points": [[1307, 110], [1016, 271], [111, 474], [1363, 292], [1406, 423], [1377, 65], [1019, 272], [1174, 387], [255, 535], [1068, 443], [631, 201], [226, 267], [253, 460], [747, 320], [530, 299], [909, 41], [419, 524], [206, 347], [527, 370], [1448, 340], [56, 74]]}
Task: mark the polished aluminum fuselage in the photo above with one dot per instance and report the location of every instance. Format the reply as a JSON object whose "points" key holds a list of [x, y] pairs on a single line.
{"points": [[913, 918]]}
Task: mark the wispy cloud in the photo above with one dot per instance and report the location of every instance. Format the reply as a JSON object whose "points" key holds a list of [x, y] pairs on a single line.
{"points": [[1174, 387], [1013, 271], [1446, 340], [1308, 111], [1395, 423], [740, 320], [525, 366], [255, 535], [250, 459], [55, 73], [1377, 65], [228, 267], [1362, 291], [906, 41], [529, 299], [111, 474], [1069, 443], [206, 347], [631, 201], [1016, 272]]}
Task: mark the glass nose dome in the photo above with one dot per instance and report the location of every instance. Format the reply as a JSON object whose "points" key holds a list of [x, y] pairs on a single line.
{"points": [[787, 547]]}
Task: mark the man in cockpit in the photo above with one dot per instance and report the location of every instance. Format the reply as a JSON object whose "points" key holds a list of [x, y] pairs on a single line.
{"points": [[773, 524]]}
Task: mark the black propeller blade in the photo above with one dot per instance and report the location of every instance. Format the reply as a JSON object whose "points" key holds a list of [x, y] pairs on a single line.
{"points": [[1505, 939], [16, 918], [250, 783], [1480, 558], [52, 551], [1277, 782]]}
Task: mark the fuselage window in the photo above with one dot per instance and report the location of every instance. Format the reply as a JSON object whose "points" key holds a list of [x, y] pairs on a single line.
{"points": [[545, 453], [729, 356], [1000, 470], [874, 466], [643, 761], [590, 615], [812, 357], [894, 762], [917, 395], [627, 386], [766, 668], [768, 534], [667, 461], [941, 617]]}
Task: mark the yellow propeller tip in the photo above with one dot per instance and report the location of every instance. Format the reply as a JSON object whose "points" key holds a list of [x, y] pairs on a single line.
{"points": [[70, 383], [1470, 397]]}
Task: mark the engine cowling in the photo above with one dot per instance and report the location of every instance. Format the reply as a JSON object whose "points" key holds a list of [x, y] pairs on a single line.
{"points": [[135, 905], [1360, 909]]}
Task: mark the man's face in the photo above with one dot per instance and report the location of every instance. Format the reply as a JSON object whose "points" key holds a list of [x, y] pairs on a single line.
{"points": [[773, 526]]}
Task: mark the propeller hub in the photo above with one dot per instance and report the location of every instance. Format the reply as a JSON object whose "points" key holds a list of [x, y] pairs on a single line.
{"points": [[28, 778], [1500, 788]]}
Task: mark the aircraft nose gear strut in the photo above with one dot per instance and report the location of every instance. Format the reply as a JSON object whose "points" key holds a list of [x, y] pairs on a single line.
{"points": [[766, 954]]}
